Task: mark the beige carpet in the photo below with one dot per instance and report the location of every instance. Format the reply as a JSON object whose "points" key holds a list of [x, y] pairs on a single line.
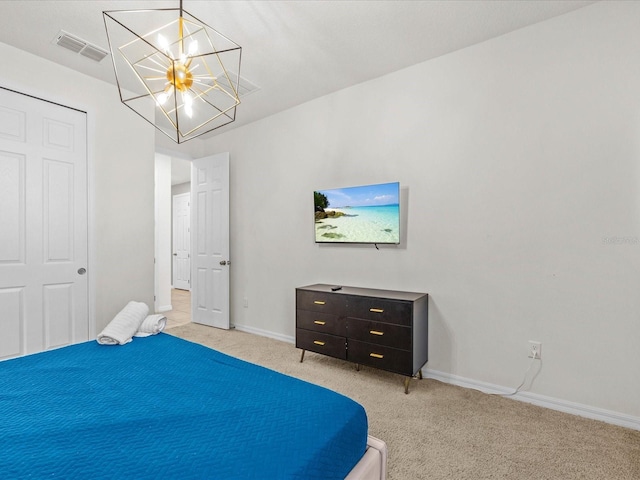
{"points": [[441, 431]]}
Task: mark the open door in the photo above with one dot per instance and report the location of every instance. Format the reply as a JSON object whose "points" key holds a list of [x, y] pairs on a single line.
{"points": [[210, 240]]}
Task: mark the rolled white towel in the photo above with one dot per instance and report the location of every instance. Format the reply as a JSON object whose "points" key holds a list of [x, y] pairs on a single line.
{"points": [[151, 325], [124, 325]]}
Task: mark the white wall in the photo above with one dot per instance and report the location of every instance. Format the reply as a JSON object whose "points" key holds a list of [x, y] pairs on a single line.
{"points": [[519, 162], [181, 188], [163, 233], [121, 153]]}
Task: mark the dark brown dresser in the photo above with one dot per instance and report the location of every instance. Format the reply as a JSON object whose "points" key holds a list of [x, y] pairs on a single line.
{"points": [[384, 329]]}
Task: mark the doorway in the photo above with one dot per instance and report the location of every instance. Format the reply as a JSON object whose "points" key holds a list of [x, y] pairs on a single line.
{"points": [[180, 314], [172, 177], [209, 262]]}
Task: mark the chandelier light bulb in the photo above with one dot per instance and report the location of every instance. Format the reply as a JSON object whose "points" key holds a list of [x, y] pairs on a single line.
{"points": [[193, 48], [164, 43], [188, 104], [162, 98]]}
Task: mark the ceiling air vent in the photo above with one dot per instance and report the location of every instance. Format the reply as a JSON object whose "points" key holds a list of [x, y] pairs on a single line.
{"points": [[93, 52], [78, 45], [244, 88]]}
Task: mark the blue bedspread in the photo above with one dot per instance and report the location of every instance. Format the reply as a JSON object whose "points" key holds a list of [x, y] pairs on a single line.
{"points": [[163, 407]]}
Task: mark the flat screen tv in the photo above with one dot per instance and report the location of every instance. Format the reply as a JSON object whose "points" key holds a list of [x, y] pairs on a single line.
{"points": [[363, 214]]}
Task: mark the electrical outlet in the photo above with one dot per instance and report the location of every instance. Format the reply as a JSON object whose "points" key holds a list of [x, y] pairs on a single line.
{"points": [[535, 349], [245, 302]]}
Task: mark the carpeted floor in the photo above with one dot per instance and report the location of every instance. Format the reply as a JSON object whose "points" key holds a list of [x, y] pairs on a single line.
{"points": [[440, 431]]}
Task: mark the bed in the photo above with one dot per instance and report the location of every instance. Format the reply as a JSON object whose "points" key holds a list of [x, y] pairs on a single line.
{"points": [[163, 407]]}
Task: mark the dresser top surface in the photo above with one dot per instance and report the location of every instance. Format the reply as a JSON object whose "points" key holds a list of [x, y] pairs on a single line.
{"points": [[364, 292]]}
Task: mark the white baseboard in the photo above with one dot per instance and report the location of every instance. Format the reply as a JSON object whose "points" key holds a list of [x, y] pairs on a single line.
{"points": [[264, 333], [607, 416], [164, 308]]}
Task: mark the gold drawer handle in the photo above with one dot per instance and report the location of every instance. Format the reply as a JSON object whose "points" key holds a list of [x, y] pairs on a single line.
{"points": [[376, 310], [318, 342], [319, 322], [376, 332], [376, 355], [318, 302]]}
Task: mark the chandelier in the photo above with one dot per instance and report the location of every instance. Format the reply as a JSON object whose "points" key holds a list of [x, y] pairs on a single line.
{"points": [[180, 75]]}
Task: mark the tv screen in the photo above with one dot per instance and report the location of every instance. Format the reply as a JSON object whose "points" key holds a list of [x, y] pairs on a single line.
{"points": [[363, 214]]}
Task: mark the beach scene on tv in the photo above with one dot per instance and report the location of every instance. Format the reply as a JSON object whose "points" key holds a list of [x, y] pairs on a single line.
{"points": [[363, 214]]}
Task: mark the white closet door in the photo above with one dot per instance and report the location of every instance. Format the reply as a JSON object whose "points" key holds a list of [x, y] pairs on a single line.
{"points": [[43, 218]]}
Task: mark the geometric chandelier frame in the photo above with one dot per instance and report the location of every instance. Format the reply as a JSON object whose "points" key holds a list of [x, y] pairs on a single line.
{"points": [[173, 70]]}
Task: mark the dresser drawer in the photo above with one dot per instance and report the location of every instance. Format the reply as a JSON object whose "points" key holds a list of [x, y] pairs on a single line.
{"points": [[326, 344], [389, 334], [381, 310], [321, 302], [321, 322], [380, 356]]}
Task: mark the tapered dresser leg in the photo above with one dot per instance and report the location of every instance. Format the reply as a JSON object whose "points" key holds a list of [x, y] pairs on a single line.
{"points": [[302, 356]]}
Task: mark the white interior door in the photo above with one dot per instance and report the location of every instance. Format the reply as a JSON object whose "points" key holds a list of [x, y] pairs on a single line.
{"points": [[210, 240], [181, 242], [43, 218]]}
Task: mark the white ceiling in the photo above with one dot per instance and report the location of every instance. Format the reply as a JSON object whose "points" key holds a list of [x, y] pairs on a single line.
{"points": [[294, 50]]}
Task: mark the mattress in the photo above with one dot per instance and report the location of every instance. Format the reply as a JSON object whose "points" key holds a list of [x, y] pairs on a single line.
{"points": [[163, 407]]}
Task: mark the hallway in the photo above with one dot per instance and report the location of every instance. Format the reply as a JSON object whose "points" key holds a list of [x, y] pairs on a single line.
{"points": [[181, 312]]}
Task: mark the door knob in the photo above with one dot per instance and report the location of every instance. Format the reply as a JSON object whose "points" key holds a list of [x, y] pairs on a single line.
{"points": [[82, 271], [175, 254], [223, 262]]}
